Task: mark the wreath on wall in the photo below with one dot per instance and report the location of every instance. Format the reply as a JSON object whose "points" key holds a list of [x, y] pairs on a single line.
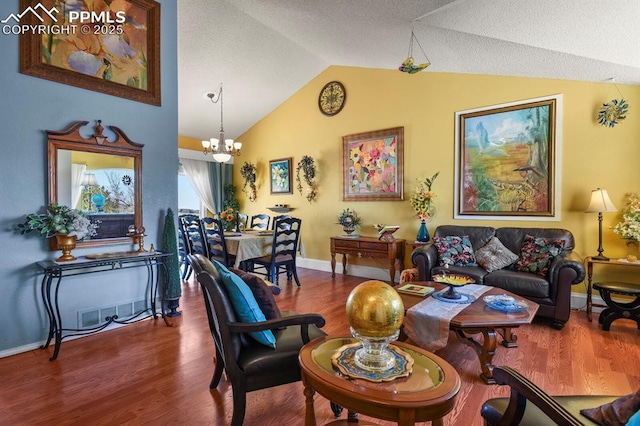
{"points": [[613, 112], [308, 166], [248, 172]]}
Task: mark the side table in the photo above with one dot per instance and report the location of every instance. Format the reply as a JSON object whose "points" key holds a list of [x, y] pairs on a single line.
{"points": [[589, 263], [54, 272], [427, 394], [367, 247]]}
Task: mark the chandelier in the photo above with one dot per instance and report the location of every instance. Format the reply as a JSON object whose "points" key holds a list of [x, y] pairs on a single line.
{"points": [[222, 149]]}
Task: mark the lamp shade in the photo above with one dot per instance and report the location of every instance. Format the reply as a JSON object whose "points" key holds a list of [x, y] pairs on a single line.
{"points": [[89, 179], [600, 202]]}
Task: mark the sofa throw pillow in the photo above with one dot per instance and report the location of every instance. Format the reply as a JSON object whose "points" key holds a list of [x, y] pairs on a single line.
{"points": [[244, 304], [494, 255], [616, 412], [262, 293], [455, 251], [537, 253]]}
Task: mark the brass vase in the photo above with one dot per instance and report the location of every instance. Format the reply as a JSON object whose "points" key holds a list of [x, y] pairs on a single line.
{"points": [[66, 243]]}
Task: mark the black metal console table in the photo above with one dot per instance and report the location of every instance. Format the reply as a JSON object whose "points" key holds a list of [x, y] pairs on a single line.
{"points": [[55, 271]]}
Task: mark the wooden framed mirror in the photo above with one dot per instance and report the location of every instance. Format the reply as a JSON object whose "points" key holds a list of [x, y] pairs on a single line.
{"points": [[100, 175]]}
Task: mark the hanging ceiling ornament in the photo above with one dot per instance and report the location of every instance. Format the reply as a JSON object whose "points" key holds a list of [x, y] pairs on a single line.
{"points": [[613, 111], [409, 65]]}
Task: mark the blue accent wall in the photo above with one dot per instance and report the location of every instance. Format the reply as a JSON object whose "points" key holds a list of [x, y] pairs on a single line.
{"points": [[32, 105]]}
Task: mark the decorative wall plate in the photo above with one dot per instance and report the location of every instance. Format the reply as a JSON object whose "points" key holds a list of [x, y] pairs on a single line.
{"points": [[332, 98]]}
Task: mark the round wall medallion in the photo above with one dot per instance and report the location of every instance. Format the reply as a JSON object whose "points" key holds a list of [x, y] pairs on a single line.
{"points": [[332, 98]]}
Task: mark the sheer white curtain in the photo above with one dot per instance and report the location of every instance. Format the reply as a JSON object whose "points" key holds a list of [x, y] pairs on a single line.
{"points": [[77, 174], [198, 174]]}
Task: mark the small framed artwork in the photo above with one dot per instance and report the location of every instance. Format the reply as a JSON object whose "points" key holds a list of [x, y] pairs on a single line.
{"points": [[507, 164], [280, 176], [108, 47], [373, 165]]}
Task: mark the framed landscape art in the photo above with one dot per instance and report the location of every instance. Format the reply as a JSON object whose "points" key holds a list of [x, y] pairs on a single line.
{"points": [[280, 176], [507, 161], [373, 165], [114, 51]]}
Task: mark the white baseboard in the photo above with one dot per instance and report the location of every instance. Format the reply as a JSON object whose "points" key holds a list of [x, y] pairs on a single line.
{"points": [[21, 349], [579, 302], [371, 272]]}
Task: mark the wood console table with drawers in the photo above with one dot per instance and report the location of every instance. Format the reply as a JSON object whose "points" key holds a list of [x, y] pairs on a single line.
{"points": [[368, 247]]}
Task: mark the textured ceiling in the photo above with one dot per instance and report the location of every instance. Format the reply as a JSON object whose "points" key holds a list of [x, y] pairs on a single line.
{"points": [[263, 51]]}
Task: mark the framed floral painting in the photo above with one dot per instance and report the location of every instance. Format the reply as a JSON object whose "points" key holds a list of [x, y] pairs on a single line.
{"points": [[507, 164], [280, 176], [107, 47], [373, 165]]}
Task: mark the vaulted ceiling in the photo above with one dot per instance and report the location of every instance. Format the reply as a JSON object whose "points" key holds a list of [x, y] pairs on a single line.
{"points": [[263, 51]]}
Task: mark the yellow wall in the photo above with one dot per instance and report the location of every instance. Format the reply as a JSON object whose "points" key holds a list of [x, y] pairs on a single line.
{"points": [[425, 104]]}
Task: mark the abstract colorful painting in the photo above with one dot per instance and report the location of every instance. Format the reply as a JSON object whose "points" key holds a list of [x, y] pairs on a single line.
{"points": [[373, 165], [506, 161], [280, 176], [111, 47]]}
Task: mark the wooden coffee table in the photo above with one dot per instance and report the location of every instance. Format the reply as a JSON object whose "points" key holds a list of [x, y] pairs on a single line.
{"points": [[478, 318], [427, 394]]}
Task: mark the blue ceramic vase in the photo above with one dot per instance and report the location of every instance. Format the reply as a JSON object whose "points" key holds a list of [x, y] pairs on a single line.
{"points": [[423, 233]]}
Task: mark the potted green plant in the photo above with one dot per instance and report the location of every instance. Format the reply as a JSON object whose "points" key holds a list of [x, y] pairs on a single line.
{"points": [[349, 220], [66, 224]]}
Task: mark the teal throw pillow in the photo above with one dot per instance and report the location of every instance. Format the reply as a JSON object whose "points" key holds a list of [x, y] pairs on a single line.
{"points": [[244, 304]]}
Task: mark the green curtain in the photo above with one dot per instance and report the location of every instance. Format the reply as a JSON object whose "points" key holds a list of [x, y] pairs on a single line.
{"points": [[220, 174]]}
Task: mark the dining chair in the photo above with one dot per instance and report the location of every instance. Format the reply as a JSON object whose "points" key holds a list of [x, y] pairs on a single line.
{"points": [[214, 235], [284, 248], [282, 216], [185, 266], [248, 364], [260, 221], [194, 238]]}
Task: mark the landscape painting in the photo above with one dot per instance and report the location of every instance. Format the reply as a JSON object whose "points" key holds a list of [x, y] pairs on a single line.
{"points": [[506, 161]]}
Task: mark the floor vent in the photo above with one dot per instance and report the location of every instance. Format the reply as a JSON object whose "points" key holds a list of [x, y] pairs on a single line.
{"points": [[96, 316]]}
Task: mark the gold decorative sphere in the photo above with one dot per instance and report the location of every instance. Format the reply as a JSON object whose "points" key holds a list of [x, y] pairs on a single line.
{"points": [[374, 309]]}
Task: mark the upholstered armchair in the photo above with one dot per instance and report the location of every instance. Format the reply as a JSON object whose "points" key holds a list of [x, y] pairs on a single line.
{"points": [[249, 364], [530, 405]]}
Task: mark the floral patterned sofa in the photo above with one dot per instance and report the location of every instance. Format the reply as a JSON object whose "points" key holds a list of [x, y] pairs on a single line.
{"points": [[535, 263]]}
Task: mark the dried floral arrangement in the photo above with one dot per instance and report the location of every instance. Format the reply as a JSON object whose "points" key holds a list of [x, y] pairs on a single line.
{"points": [[248, 172], [308, 166]]}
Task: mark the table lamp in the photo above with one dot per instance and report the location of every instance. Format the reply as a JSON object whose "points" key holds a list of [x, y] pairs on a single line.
{"points": [[600, 202]]}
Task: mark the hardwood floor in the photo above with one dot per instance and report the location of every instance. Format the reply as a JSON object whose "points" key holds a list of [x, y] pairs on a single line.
{"points": [[148, 373]]}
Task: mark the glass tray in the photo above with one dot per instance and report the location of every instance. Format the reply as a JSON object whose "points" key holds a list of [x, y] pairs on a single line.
{"points": [[495, 302]]}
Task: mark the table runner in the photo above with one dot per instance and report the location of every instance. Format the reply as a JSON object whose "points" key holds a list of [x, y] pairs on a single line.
{"points": [[427, 323]]}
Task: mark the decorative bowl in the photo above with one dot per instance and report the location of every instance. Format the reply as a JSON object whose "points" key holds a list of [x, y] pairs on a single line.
{"points": [[456, 280], [453, 281], [499, 303]]}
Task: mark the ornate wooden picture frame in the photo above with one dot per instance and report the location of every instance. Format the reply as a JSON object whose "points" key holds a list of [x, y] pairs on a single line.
{"points": [[120, 58], [280, 176], [507, 161], [373, 165]]}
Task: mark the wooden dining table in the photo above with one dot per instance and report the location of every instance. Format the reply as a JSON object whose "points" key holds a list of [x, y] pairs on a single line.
{"points": [[248, 244]]}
